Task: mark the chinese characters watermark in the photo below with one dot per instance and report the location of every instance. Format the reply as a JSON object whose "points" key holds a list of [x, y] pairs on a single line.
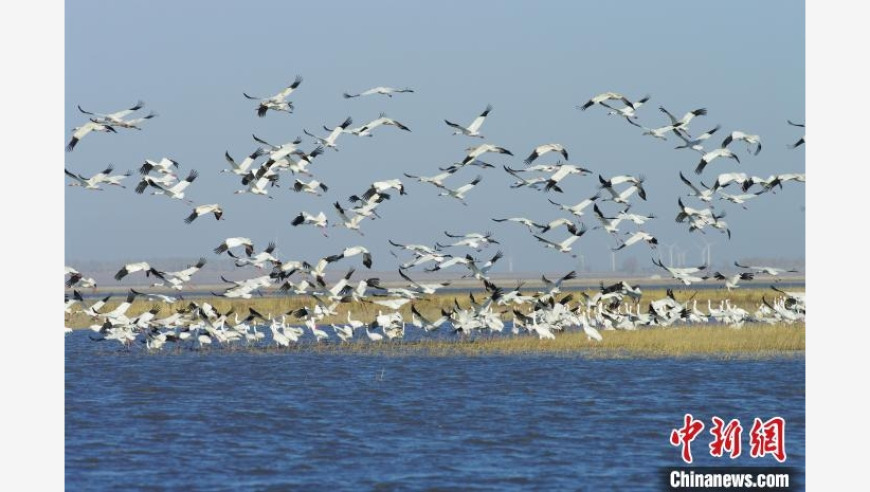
{"points": [[765, 438]]}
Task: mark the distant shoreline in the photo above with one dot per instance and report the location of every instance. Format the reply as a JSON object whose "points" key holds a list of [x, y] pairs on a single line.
{"points": [[583, 283]]}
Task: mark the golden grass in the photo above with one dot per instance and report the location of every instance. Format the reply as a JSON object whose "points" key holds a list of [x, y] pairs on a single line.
{"points": [[750, 341], [429, 306], [753, 340]]}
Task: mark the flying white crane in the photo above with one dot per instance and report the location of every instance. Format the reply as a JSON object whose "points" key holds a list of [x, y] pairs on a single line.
{"points": [[738, 199], [704, 215], [472, 130], [94, 309], [480, 272], [79, 132], [116, 118], [258, 181], [166, 180], [278, 102], [534, 183], [624, 178], [164, 166], [561, 221], [367, 208], [765, 269], [600, 98], [137, 267], [234, 242], [682, 123], [767, 184], [259, 260], [76, 279], [353, 251], [242, 168], [318, 220], [562, 171], [437, 180], [387, 91], [244, 288], [705, 195], [577, 210], [564, 246], [459, 193], [329, 140], [658, 133], [134, 123], [749, 139], [521, 220], [458, 165], [116, 179], [720, 224], [175, 191], [799, 177], [799, 298], [731, 282], [543, 149], [391, 303], [300, 165], [212, 208], [609, 224], [684, 275], [94, 182], [623, 196], [725, 179], [637, 237], [379, 187], [713, 154], [423, 288], [309, 187], [636, 218], [475, 152], [473, 240], [444, 262], [426, 325], [177, 279], [383, 119], [695, 143], [351, 223], [801, 141], [629, 111], [278, 152]]}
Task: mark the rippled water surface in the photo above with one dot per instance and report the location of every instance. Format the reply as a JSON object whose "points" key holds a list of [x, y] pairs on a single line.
{"points": [[266, 420]]}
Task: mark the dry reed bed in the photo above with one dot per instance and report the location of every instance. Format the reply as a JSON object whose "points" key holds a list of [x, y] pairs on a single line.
{"points": [[429, 306], [749, 341], [753, 340]]}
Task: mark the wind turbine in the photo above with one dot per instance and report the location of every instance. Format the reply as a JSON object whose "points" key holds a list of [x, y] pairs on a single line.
{"points": [[581, 260], [681, 257], [671, 247], [706, 253]]}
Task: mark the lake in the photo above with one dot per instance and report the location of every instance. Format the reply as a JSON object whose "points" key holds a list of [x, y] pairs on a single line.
{"points": [[270, 420]]}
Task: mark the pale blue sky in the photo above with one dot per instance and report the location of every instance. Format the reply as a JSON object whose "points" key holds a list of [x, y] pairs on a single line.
{"points": [[534, 63]]}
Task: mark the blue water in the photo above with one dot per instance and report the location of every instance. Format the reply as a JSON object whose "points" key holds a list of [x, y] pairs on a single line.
{"points": [[270, 420]]}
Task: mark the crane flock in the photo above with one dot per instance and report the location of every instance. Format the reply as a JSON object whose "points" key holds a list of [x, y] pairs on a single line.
{"points": [[543, 313]]}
